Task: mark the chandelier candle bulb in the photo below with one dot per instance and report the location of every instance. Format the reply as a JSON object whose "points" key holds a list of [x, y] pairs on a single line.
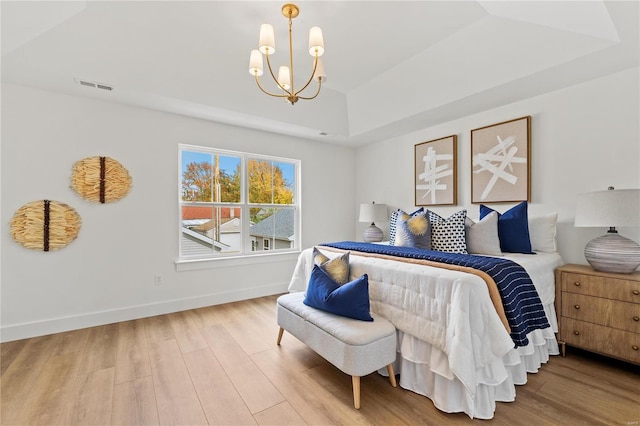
{"points": [[284, 77], [316, 42], [320, 75], [267, 40], [255, 63]]}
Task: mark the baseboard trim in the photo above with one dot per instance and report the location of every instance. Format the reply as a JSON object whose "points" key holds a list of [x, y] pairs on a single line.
{"points": [[57, 325]]}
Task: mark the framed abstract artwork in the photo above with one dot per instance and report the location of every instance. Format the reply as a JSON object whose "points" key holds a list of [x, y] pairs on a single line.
{"points": [[500, 162], [435, 172]]}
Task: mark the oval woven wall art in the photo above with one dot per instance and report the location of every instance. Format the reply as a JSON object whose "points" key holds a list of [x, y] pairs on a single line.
{"points": [[100, 179], [45, 225]]}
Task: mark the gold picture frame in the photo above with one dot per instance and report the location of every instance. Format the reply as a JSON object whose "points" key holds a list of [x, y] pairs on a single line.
{"points": [[435, 171], [501, 162]]}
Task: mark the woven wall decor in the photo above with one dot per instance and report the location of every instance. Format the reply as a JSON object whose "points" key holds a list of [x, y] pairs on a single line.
{"points": [[45, 225], [100, 179]]}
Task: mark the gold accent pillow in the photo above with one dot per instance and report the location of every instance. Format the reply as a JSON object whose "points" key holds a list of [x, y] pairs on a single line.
{"points": [[337, 268]]}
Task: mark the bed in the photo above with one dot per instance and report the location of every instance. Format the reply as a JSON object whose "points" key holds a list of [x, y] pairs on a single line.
{"points": [[453, 344]]}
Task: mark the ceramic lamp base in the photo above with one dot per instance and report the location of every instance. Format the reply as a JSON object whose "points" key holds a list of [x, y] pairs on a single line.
{"points": [[613, 253], [372, 234]]}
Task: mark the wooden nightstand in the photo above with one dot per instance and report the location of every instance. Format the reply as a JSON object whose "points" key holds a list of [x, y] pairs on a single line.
{"points": [[599, 311]]}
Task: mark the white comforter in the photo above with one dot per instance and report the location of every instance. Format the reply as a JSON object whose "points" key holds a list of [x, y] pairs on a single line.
{"points": [[453, 347]]}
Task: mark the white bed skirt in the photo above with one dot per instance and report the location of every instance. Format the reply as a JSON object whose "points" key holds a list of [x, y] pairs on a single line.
{"points": [[452, 346], [424, 369]]}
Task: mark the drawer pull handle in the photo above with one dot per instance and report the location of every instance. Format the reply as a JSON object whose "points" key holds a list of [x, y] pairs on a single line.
{"points": [[576, 332], [636, 292], [576, 306], [577, 283], [635, 347], [636, 318]]}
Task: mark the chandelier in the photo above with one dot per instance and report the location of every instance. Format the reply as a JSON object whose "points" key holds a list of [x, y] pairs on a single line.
{"points": [[285, 80]]}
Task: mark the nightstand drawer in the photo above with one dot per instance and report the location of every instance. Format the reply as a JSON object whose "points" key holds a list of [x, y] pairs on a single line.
{"points": [[607, 287], [617, 343], [610, 313], [626, 316], [586, 308]]}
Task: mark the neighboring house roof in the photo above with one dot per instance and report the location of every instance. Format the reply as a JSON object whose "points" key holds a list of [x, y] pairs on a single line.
{"points": [[231, 225], [201, 240], [280, 224], [199, 212]]}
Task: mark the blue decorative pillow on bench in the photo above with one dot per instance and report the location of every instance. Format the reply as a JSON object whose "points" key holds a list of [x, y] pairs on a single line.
{"points": [[348, 300]]}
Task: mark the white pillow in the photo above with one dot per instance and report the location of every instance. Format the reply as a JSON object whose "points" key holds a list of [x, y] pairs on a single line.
{"points": [[482, 237], [542, 231]]}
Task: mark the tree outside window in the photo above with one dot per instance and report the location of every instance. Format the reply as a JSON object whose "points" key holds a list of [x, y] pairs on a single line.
{"points": [[231, 200]]}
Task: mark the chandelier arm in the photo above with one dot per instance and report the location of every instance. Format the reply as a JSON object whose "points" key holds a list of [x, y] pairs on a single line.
{"points": [[276, 80], [290, 11], [317, 91], [265, 92], [315, 65]]}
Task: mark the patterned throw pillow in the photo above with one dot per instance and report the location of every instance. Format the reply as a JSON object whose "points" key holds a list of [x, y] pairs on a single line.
{"points": [[448, 235], [337, 268], [413, 231], [394, 219]]}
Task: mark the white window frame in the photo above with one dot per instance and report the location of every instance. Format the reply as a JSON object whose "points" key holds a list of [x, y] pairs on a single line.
{"points": [[246, 251]]}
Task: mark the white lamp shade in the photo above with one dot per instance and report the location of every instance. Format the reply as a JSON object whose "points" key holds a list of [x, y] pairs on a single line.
{"points": [[320, 71], [373, 213], [616, 207], [316, 42], [284, 78], [255, 63], [267, 43]]}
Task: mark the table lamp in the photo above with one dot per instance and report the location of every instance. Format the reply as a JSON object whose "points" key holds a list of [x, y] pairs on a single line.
{"points": [[614, 207], [373, 213]]}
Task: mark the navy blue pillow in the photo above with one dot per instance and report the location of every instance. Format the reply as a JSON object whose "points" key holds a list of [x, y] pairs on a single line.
{"points": [[513, 228], [347, 300]]}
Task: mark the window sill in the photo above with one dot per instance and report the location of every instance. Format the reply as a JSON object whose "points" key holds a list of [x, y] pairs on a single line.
{"points": [[254, 259]]}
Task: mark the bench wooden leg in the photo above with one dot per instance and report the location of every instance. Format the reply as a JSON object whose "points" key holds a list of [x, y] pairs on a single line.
{"points": [[280, 335], [392, 376], [356, 391]]}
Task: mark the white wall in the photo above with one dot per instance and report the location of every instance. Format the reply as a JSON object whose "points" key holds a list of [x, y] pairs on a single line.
{"points": [[106, 275], [584, 138]]}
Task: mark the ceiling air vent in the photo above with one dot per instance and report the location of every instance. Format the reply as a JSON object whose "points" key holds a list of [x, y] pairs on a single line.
{"points": [[94, 84]]}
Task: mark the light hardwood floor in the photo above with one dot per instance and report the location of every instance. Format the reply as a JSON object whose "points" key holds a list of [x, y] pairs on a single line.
{"points": [[221, 365]]}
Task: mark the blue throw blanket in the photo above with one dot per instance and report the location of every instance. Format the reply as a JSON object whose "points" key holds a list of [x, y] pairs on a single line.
{"points": [[522, 305]]}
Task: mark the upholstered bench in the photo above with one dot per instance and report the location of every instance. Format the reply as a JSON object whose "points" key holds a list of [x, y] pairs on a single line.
{"points": [[356, 347]]}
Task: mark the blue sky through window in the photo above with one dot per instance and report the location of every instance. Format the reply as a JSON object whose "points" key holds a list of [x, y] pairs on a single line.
{"points": [[229, 164]]}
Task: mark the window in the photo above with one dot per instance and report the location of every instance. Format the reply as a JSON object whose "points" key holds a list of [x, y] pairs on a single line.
{"points": [[236, 204]]}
